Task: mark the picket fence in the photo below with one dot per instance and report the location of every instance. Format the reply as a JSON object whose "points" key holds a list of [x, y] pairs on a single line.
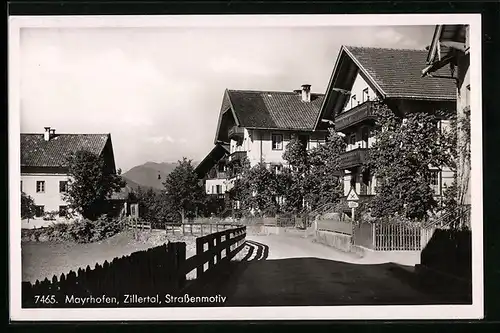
{"points": [[391, 236], [156, 271]]}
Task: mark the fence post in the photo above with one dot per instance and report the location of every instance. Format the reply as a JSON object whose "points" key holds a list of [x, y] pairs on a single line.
{"points": [[201, 228], [183, 231], [199, 252], [211, 262], [211, 228], [217, 244], [374, 233], [228, 247]]}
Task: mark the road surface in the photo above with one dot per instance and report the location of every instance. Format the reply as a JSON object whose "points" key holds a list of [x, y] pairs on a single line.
{"points": [[291, 270]]}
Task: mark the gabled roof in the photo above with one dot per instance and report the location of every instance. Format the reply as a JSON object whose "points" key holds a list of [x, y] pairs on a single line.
{"points": [[392, 74], [397, 72], [36, 152], [214, 156], [270, 110]]}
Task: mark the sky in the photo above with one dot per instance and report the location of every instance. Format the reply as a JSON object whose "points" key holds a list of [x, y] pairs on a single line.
{"points": [[158, 91]]}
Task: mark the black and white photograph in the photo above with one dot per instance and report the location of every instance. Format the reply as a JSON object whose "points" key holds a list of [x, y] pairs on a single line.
{"points": [[245, 167]]}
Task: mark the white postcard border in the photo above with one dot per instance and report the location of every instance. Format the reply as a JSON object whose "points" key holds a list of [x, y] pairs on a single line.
{"points": [[474, 311]]}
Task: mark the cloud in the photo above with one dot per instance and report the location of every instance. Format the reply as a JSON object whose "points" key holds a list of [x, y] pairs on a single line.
{"points": [[390, 36], [139, 84], [239, 67], [160, 139]]}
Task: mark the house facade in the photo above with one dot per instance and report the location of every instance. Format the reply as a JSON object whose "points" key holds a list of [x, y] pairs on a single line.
{"points": [[212, 171], [364, 76], [449, 58], [258, 125], [44, 173]]}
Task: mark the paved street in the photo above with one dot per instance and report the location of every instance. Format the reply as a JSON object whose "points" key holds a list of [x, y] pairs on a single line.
{"points": [[290, 270]]}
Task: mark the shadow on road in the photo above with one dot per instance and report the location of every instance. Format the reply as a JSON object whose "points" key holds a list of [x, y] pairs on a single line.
{"points": [[261, 251], [320, 282]]}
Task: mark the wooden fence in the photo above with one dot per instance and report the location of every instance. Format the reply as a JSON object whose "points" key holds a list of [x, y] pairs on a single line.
{"points": [[198, 229], [391, 236], [155, 271]]}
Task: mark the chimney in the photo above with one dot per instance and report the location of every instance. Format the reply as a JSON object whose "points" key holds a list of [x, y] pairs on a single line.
{"points": [[46, 135], [306, 93]]}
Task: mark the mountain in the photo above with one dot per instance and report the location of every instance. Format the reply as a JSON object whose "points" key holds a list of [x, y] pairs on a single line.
{"points": [[146, 175]]}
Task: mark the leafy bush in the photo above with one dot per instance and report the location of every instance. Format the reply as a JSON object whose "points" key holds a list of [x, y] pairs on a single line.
{"points": [[51, 216], [80, 230], [27, 206]]}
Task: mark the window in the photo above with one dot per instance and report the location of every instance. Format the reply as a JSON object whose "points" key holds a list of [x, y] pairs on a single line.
{"points": [[366, 97], [365, 134], [435, 182], [40, 186], [63, 186], [39, 211], [219, 189], [63, 211], [353, 101], [352, 139], [304, 140], [277, 141], [213, 189]]}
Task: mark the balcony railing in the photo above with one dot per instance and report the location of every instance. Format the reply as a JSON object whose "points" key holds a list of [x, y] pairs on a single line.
{"points": [[353, 158], [355, 115], [220, 196], [235, 133], [237, 156], [217, 175]]}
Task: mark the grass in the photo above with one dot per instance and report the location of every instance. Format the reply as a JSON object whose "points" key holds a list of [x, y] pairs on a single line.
{"points": [[42, 260]]}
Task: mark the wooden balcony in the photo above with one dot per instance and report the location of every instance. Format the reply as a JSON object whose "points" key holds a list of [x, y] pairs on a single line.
{"points": [[353, 158], [235, 133], [237, 156], [356, 115], [218, 196], [217, 175]]}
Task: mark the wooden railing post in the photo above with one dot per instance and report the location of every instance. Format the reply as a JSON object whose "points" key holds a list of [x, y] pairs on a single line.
{"points": [[228, 247], [218, 240], [199, 252], [211, 262]]}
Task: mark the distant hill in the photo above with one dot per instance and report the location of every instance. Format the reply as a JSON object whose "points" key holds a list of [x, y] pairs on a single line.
{"points": [[146, 175]]}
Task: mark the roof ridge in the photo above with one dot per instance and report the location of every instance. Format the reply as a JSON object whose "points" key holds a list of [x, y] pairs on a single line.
{"points": [[68, 133], [268, 91], [382, 48]]}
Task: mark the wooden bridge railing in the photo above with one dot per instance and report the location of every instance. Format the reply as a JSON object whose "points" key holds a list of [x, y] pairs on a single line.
{"points": [[227, 242], [200, 229], [162, 269]]}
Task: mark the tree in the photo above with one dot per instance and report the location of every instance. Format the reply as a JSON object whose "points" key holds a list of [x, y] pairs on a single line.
{"points": [[154, 206], [27, 206], [406, 150], [183, 191], [314, 174], [257, 190], [90, 184]]}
